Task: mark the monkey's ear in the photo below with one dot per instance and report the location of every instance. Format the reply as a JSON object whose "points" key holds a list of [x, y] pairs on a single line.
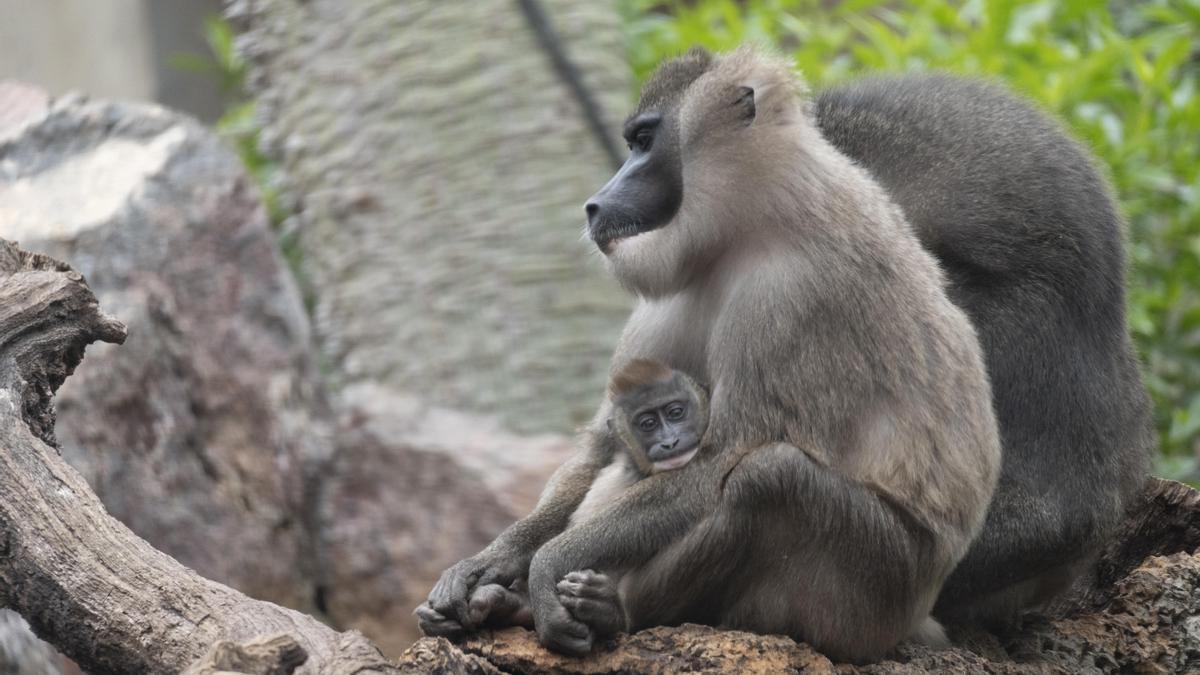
{"points": [[745, 103]]}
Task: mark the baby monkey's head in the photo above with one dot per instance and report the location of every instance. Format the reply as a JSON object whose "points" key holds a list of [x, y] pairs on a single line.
{"points": [[659, 414]]}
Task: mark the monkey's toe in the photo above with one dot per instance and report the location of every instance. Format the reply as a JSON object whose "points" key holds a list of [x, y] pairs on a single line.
{"points": [[604, 617], [587, 584]]}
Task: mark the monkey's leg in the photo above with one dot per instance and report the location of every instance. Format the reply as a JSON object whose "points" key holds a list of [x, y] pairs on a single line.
{"points": [[1031, 548], [797, 549], [624, 534], [450, 609]]}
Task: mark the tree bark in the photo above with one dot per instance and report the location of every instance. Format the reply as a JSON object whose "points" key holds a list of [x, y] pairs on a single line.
{"points": [[83, 580]]}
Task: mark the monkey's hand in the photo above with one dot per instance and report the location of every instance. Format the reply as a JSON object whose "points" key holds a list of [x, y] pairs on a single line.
{"points": [[466, 596], [559, 631], [625, 534], [592, 599]]}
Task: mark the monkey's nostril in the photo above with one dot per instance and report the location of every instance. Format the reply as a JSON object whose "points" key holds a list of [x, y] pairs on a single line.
{"points": [[592, 208]]}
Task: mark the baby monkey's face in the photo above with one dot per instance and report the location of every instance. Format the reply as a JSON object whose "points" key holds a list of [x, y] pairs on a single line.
{"points": [[669, 432], [660, 415]]}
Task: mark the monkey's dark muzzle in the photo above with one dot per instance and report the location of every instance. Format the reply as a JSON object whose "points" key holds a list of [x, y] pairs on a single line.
{"points": [[605, 232], [643, 195]]}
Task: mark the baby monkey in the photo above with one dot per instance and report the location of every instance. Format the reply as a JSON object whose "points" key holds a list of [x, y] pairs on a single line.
{"points": [[659, 417]]}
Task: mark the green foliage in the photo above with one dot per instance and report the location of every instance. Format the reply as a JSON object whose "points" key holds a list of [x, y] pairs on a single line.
{"points": [[1122, 75], [238, 124]]}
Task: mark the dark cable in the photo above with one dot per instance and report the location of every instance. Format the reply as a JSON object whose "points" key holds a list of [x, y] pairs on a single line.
{"points": [[535, 14]]}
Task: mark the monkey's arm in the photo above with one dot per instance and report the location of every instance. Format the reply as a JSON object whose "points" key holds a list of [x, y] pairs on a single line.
{"points": [[449, 610], [628, 532]]}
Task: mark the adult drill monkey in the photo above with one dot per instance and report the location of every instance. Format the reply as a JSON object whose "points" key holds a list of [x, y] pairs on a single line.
{"points": [[852, 448]]}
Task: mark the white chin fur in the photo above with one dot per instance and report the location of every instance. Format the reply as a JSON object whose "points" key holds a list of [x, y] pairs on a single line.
{"points": [[645, 263], [676, 461]]}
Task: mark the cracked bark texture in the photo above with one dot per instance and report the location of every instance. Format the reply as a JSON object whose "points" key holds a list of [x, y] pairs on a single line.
{"points": [[437, 167]]}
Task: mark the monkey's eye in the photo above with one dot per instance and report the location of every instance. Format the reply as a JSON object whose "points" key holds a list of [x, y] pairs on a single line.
{"points": [[675, 413], [647, 423], [642, 140]]}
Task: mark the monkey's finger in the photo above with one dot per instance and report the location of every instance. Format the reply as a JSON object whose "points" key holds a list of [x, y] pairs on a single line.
{"points": [[570, 588], [580, 576], [600, 588], [493, 601], [584, 609], [449, 596], [434, 624], [604, 618], [493, 575], [522, 617], [589, 578]]}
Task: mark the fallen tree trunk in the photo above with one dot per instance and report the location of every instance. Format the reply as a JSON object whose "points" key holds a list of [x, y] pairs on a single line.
{"points": [[113, 603], [84, 582]]}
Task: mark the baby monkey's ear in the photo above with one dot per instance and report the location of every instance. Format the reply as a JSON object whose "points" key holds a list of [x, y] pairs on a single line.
{"points": [[608, 423]]}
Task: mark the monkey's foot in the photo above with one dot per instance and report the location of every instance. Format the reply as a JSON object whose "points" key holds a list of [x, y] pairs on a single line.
{"points": [[593, 599]]}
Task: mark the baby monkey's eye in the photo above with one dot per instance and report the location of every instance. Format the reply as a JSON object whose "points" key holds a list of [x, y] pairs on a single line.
{"points": [[648, 423], [675, 413]]}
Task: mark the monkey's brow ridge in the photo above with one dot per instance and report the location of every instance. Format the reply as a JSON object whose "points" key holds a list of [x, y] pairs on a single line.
{"points": [[638, 121]]}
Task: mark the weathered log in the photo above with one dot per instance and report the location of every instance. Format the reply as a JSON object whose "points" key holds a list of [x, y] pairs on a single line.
{"points": [[83, 580]]}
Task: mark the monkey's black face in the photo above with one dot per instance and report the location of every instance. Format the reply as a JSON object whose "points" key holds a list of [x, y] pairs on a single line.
{"points": [[669, 433], [646, 191]]}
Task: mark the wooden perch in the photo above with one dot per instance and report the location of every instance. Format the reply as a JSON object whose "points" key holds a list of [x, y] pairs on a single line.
{"points": [[113, 603], [85, 582]]}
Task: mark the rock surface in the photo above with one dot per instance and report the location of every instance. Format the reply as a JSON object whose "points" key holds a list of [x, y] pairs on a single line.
{"points": [[199, 431], [395, 511]]}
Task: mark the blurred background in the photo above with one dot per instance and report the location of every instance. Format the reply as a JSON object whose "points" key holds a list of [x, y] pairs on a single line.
{"points": [[363, 324]]}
